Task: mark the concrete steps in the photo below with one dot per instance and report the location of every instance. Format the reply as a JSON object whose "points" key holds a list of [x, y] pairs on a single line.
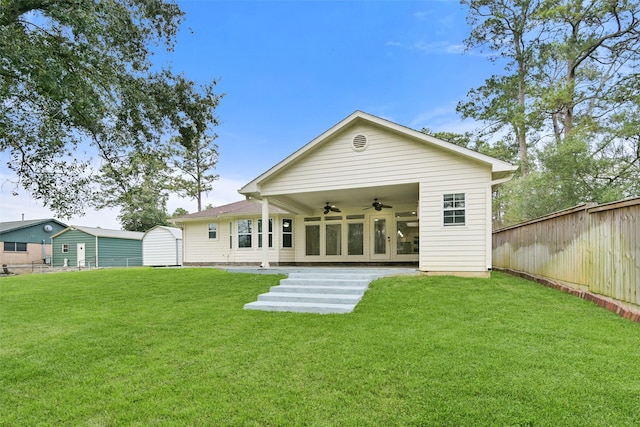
{"points": [[316, 292]]}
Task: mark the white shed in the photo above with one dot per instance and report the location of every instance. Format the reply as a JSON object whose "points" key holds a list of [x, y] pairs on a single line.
{"points": [[162, 246]]}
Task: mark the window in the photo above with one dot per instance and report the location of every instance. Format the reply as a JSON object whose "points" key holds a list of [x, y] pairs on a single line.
{"points": [[245, 228], [15, 247], [65, 248], [213, 231], [287, 233], [333, 239], [270, 233], [231, 235], [355, 234], [312, 239], [355, 245], [408, 230], [454, 209]]}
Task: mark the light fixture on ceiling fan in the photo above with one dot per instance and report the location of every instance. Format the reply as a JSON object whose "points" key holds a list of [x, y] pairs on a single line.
{"points": [[378, 205], [330, 208]]}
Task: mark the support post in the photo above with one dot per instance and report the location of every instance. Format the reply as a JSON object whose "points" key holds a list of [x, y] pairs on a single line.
{"points": [[265, 233]]}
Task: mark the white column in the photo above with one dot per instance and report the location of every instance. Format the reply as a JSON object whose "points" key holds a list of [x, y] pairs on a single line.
{"points": [[265, 233]]}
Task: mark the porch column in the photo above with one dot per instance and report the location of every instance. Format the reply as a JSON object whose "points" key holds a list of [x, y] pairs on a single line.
{"points": [[265, 233]]}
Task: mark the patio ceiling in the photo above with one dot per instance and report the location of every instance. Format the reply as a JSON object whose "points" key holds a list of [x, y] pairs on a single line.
{"points": [[346, 199]]}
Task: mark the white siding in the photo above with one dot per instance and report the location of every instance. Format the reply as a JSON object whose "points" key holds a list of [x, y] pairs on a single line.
{"points": [[199, 248], [389, 159], [394, 159], [161, 247], [454, 248]]}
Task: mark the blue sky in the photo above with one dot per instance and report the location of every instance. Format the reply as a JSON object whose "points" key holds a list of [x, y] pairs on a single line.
{"points": [[292, 69]]}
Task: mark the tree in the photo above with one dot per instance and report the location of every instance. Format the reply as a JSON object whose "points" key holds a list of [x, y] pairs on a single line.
{"points": [[136, 184], [594, 41], [507, 28], [76, 80], [193, 160], [581, 86], [179, 212]]}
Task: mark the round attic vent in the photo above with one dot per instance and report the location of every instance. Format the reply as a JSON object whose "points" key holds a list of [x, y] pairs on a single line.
{"points": [[359, 142]]}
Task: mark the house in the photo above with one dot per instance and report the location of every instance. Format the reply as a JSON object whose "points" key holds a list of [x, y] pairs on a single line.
{"points": [[78, 246], [28, 241], [366, 191], [231, 234], [162, 246]]}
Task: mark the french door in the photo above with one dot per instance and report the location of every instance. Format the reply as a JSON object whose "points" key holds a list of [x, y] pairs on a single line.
{"points": [[380, 237]]}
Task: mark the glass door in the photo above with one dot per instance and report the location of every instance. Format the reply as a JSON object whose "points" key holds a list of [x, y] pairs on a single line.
{"points": [[381, 238]]}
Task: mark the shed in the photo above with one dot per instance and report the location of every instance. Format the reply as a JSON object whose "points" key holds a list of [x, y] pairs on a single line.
{"points": [[162, 246], [78, 246], [28, 241]]}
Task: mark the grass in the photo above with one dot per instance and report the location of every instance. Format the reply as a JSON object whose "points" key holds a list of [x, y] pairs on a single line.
{"points": [[147, 347]]}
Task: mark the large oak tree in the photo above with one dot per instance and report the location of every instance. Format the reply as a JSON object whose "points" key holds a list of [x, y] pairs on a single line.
{"points": [[78, 91]]}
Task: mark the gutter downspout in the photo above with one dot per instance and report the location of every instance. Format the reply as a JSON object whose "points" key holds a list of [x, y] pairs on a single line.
{"points": [[489, 238], [265, 233]]}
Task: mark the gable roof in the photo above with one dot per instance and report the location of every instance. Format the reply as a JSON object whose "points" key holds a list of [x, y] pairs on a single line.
{"points": [[243, 207], [175, 232], [17, 225], [104, 232], [499, 168]]}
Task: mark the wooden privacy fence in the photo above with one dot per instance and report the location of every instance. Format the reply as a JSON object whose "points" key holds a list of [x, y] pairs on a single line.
{"points": [[588, 247]]}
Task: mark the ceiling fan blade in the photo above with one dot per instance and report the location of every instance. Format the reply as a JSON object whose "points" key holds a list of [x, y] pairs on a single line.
{"points": [[330, 208]]}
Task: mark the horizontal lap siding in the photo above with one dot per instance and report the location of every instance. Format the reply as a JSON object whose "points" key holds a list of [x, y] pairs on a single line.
{"points": [[454, 248], [387, 160], [390, 159], [199, 248]]}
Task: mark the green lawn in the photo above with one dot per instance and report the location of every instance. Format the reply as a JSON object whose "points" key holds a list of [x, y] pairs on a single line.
{"points": [[164, 347]]}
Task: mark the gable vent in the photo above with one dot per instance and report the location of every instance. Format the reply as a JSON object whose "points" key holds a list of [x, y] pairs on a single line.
{"points": [[359, 142]]}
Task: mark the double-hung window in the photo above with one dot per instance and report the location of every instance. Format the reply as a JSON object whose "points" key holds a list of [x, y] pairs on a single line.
{"points": [[213, 231], [245, 230], [454, 212], [287, 233]]}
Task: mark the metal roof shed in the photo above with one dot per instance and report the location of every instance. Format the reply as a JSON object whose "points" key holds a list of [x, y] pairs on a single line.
{"points": [[96, 247], [162, 246]]}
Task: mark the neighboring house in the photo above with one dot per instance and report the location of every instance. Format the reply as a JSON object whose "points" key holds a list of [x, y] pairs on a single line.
{"points": [[28, 241], [231, 234], [162, 246], [78, 246], [366, 191]]}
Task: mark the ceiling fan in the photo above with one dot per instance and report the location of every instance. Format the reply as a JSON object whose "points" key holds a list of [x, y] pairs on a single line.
{"points": [[379, 205], [330, 208]]}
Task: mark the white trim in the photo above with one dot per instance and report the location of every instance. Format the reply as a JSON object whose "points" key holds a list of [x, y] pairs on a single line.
{"points": [[265, 232]]}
